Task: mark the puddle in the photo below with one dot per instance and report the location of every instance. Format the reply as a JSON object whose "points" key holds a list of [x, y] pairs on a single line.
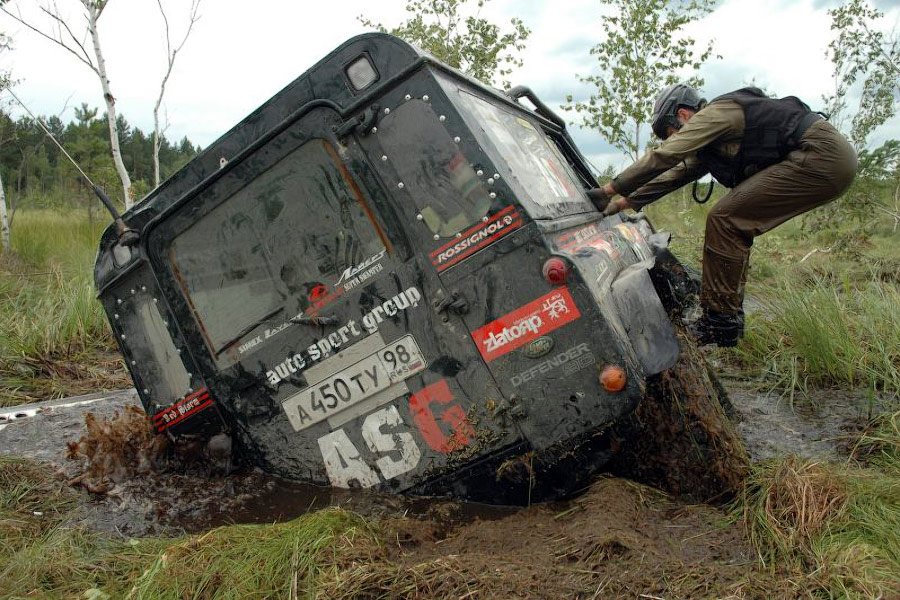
{"points": [[133, 491]]}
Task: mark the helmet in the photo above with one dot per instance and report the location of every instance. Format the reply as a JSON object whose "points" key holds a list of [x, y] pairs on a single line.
{"points": [[672, 98]]}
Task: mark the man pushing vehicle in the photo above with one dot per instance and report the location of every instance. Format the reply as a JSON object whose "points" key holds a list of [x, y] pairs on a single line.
{"points": [[779, 158]]}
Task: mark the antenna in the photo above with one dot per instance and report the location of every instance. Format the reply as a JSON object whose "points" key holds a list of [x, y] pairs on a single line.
{"points": [[127, 236]]}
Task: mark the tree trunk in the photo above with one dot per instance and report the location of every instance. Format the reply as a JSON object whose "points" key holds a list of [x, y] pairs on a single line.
{"points": [[4, 221], [93, 14]]}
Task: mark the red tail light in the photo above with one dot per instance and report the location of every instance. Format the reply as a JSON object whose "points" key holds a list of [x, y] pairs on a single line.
{"points": [[556, 271]]}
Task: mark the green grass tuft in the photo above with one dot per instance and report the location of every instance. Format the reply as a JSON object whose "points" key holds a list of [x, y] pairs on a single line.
{"points": [[50, 319], [825, 333], [835, 525]]}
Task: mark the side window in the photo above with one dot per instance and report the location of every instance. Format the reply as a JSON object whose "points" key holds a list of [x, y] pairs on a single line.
{"points": [[541, 178], [445, 188], [153, 356], [274, 248]]}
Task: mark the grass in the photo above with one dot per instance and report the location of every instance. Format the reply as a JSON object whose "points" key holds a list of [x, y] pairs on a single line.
{"points": [[52, 328], [825, 333], [43, 555], [834, 524], [822, 311]]}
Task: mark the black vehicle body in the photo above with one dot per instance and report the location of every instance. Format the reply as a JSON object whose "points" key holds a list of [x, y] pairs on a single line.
{"points": [[351, 283]]}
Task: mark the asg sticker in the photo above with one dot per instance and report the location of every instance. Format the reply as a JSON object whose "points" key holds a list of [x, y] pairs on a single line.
{"points": [[386, 436], [538, 317], [474, 239], [436, 401]]}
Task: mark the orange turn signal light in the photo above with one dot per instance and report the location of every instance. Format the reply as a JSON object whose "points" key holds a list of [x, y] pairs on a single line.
{"points": [[613, 378]]}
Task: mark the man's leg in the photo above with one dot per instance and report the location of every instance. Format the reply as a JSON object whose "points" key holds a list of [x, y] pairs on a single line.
{"points": [[814, 174]]}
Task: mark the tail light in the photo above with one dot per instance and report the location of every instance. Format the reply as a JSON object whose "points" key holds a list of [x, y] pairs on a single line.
{"points": [[556, 271], [613, 378]]}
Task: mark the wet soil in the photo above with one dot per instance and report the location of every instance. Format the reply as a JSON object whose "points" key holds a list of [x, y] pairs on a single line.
{"points": [[618, 539]]}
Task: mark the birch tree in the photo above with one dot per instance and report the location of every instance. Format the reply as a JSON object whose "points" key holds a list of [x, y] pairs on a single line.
{"points": [[4, 215], [643, 51], [63, 35], [472, 44], [171, 53]]}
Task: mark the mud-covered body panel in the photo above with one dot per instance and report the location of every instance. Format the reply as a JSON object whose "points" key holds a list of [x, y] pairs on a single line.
{"points": [[354, 288]]}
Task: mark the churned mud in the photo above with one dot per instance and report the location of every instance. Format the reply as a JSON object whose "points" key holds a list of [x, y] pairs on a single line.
{"points": [[617, 539]]}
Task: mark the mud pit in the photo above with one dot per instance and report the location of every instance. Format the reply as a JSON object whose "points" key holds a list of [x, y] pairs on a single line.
{"points": [[619, 538]]}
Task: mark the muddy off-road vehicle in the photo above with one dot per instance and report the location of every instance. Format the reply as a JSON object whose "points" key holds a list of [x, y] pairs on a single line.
{"points": [[390, 276]]}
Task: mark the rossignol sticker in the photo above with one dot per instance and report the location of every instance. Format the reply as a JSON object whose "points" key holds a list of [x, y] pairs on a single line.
{"points": [[476, 238], [183, 409], [538, 317]]}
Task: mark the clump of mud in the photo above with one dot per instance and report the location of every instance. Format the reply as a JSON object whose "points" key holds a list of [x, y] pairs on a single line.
{"points": [[681, 438], [619, 539], [117, 449]]}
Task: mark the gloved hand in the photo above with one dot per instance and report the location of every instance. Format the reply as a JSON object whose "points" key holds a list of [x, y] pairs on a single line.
{"points": [[599, 198], [615, 206]]}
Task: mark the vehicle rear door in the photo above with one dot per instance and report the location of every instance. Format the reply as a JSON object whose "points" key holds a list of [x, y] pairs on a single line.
{"points": [[334, 345]]}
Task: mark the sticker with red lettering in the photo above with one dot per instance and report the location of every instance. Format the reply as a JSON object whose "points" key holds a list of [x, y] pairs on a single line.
{"points": [[183, 409], [422, 406], [538, 317], [476, 238], [588, 237]]}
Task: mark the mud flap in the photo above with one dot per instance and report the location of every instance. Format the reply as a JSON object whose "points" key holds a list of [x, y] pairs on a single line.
{"points": [[645, 320]]}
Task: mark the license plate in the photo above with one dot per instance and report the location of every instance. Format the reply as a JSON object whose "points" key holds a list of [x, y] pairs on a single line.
{"points": [[376, 372]]}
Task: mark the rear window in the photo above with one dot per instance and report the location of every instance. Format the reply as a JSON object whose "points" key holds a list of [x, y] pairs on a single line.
{"points": [[275, 248], [542, 180]]}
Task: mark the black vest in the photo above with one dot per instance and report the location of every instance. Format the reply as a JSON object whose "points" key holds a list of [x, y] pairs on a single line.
{"points": [[770, 133]]}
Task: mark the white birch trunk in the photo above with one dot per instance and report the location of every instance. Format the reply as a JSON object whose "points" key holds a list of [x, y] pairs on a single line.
{"points": [[94, 9], [4, 221]]}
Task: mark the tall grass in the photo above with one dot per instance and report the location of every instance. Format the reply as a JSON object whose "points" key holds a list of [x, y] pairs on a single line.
{"points": [[835, 525], [49, 314], [823, 332]]}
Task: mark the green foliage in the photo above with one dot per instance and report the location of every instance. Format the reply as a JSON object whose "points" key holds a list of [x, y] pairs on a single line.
{"points": [[36, 174], [861, 52], [643, 51], [471, 43]]}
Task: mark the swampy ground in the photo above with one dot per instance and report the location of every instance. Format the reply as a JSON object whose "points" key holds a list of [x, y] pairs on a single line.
{"points": [[814, 384]]}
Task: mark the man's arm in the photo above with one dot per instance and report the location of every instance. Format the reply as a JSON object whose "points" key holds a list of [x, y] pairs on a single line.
{"points": [[690, 169], [713, 122]]}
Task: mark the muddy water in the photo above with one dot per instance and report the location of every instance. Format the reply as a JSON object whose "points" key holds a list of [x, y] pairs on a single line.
{"points": [[168, 501], [168, 498]]}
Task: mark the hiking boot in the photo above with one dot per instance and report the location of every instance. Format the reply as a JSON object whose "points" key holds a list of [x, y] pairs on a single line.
{"points": [[721, 329]]}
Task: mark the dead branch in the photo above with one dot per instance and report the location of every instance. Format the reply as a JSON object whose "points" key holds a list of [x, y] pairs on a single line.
{"points": [[171, 54], [82, 57]]}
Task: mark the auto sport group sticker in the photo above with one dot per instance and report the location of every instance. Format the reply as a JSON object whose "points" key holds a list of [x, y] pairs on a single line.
{"points": [[538, 317], [475, 238]]}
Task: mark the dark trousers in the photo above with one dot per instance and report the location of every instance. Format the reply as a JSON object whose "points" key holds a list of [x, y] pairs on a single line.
{"points": [[813, 174]]}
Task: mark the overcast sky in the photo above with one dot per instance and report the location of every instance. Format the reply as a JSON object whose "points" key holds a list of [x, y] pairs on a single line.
{"points": [[242, 53]]}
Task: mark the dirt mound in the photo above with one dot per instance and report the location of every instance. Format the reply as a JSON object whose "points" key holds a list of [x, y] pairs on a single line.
{"points": [[682, 438], [619, 539]]}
